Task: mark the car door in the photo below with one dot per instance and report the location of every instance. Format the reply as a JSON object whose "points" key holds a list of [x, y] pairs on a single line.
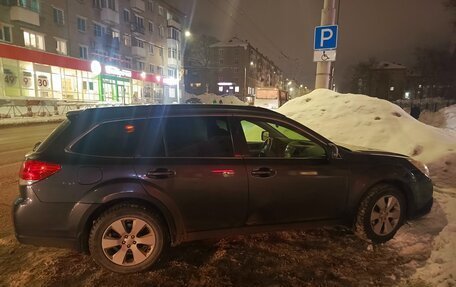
{"points": [[292, 180], [199, 172]]}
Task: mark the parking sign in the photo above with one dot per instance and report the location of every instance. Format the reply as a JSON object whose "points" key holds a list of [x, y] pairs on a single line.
{"points": [[325, 37]]}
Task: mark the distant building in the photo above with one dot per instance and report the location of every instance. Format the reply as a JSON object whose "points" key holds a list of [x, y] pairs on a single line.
{"points": [[387, 81], [47, 49], [235, 68]]}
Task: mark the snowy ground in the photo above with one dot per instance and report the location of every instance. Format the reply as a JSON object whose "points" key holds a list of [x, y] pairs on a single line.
{"points": [[209, 98], [363, 121]]}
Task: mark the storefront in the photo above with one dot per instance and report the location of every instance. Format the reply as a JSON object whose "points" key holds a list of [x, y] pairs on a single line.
{"points": [[29, 74]]}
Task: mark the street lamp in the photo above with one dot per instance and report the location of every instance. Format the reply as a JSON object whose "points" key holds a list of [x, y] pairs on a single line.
{"points": [[187, 34]]}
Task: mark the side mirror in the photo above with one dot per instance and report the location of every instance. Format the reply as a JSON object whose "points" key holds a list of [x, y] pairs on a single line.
{"points": [[36, 146], [264, 135], [334, 151]]}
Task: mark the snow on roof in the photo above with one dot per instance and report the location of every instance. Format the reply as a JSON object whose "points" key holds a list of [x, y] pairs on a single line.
{"points": [[365, 121], [388, 65], [234, 42], [208, 98]]}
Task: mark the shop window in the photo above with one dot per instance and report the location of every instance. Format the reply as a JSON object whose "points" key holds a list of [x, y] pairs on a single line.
{"points": [[81, 24], [58, 16], [83, 52], [33, 40], [61, 46], [5, 33]]}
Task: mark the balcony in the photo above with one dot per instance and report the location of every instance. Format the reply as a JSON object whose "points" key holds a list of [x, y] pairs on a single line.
{"points": [[174, 23], [172, 62], [24, 14], [138, 52], [135, 28], [138, 5], [110, 16]]}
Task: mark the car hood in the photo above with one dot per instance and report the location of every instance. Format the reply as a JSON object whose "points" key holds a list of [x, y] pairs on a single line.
{"points": [[366, 150]]}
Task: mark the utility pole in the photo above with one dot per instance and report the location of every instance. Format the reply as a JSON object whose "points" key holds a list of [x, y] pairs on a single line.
{"points": [[328, 17]]}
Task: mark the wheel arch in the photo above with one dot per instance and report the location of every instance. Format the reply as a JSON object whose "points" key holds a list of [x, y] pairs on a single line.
{"points": [[400, 185], [121, 195]]}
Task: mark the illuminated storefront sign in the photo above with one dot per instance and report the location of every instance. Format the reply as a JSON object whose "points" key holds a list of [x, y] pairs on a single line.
{"points": [[111, 70]]}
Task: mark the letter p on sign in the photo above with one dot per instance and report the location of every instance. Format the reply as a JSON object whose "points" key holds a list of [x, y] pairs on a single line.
{"points": [[325, 37]]}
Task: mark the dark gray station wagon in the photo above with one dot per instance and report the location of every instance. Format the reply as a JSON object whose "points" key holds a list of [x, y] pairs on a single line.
{"points": [[123, 183]]}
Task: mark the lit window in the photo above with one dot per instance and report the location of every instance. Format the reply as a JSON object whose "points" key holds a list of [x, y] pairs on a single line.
{"points": [[58, 16], [33, 40], [127, 40], [221, 89], [83, 52], [61, 46]]}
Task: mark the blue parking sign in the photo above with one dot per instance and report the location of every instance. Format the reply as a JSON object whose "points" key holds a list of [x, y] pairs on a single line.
{"points": [[325, 37]]}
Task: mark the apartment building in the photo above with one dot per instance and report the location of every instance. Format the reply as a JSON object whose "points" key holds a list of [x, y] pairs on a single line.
{"points": [[113, 51], [235, 67]]}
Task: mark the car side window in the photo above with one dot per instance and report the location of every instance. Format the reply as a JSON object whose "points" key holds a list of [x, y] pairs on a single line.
{"points": [[198, 137], [270, 139], [118, 139]]}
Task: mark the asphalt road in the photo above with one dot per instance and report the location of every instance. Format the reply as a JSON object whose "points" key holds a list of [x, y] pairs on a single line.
{"points": [[15, 142]]}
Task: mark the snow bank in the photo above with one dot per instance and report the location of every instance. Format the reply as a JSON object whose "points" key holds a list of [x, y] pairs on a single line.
{"points": [[209, 98], [369, 122], [444, 118], [374, 123]]}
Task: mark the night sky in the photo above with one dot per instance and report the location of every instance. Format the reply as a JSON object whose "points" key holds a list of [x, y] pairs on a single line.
{"points": [[283, 30]]}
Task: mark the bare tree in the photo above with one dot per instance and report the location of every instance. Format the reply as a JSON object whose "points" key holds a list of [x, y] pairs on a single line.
{"points": [[197, 50]]}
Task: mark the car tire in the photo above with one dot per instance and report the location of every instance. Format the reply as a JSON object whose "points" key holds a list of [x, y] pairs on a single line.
{"points": [[128, 238], [380, 214]]}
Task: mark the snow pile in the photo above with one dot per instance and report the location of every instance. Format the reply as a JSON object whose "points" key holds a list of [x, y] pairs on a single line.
{"points": [[364, 121], [444, 118], [209, 98], [369, 122]]}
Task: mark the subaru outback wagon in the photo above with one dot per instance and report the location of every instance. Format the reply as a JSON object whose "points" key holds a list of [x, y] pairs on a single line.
{"points": [[123, 183]]}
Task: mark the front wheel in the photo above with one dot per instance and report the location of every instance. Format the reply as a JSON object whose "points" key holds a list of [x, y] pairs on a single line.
{"points": [[380, 214], [127, 238]]}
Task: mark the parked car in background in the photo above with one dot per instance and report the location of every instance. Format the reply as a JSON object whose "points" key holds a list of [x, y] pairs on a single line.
{"points": [[123, 183]]}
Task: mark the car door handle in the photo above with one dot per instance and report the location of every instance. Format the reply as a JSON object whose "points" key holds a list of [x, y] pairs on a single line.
{"points": [[263, 172], [160, 173]]}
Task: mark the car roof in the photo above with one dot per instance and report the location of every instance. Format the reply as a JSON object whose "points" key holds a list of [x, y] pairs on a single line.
{"points": [[149, 111]]}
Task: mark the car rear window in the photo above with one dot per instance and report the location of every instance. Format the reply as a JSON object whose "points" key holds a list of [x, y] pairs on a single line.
{"points": [[120, 139], [53, 135]]}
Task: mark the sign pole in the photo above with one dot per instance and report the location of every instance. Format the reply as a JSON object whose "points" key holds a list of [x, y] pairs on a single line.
{"points": [[328, 17]]}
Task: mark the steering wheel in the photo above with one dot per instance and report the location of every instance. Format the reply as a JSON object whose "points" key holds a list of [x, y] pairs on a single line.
{"points": [[267, 146]]}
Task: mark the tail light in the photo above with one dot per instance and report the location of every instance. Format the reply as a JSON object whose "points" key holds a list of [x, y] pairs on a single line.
{"points": [[37, 170]]}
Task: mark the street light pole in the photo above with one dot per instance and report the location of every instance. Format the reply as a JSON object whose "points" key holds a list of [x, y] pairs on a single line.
{"points": [[328, 17]]}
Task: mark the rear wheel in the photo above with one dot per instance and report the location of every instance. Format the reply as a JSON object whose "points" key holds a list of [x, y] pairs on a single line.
{"points": [[380, 214], [127, 238]]}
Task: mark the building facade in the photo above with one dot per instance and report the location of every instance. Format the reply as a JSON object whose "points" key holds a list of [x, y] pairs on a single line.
{"points": [[113, 51], [234, 68]]}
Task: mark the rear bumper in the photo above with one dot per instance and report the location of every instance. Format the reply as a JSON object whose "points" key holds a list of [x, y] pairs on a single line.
{"points": [[47, 224]]}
